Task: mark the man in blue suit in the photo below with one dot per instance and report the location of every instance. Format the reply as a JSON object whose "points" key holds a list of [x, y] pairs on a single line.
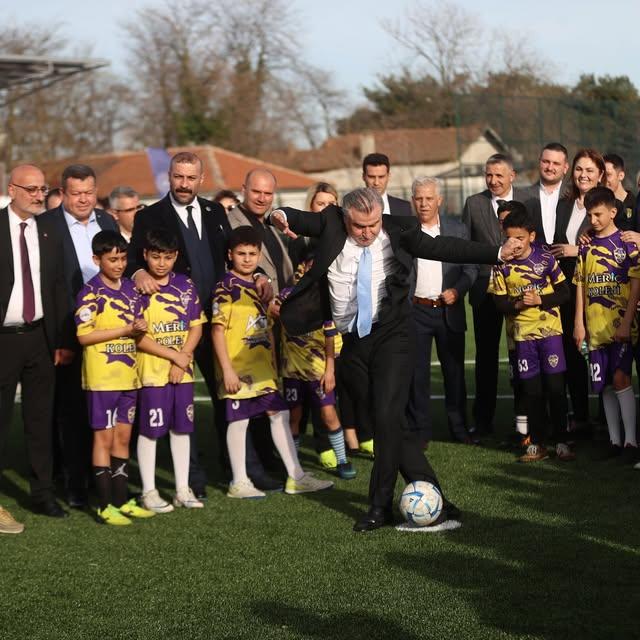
{"points": [[438, 312], [77, 221]]}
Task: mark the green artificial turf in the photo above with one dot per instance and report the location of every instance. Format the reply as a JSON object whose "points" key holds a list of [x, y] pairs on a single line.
{"points": [[546, 551]]}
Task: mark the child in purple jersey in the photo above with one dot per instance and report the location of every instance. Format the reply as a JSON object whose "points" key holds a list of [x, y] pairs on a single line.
{"points": [[165, 358], [607, 277], [109, 322], [529, 288]]}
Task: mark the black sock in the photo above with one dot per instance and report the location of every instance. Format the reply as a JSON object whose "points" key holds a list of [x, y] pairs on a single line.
{"points": [[119, 480], [103, 485]]}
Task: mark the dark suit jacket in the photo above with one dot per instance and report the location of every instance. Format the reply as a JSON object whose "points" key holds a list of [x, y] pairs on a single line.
{"points": [[55, 300], [399, 207], [163, 215], [563, 215], [455, 276], [483, 225], [309, 306]]}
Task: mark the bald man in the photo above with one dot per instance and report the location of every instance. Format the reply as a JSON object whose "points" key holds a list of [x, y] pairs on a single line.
{"points": [[258, 191], [33, 336]]}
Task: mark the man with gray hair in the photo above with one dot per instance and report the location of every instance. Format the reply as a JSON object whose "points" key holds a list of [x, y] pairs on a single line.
{"points": [[438, 314], [360, 279], [124, 203]]}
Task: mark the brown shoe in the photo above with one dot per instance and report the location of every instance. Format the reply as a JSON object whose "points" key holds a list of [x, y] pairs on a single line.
{"points": [[535, 453], [8, 523]]}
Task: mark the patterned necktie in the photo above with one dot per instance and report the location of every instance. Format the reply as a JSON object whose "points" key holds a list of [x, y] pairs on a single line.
{"points": [[365, 306], [28, 296], [191, 223]]}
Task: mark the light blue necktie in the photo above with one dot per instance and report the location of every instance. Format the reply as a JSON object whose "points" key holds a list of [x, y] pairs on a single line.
{"points": [[365, 307]]}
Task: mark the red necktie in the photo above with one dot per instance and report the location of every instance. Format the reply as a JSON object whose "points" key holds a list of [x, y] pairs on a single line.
{"points": [[28, 296]]}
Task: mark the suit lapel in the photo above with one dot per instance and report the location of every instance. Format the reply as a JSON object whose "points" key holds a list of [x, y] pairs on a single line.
{"points": [[490, 218], [5, 245]]}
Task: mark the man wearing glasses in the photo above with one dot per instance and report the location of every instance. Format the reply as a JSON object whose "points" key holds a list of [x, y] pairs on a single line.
{"points": [[78, 221], [33, 310], [124, 203]]}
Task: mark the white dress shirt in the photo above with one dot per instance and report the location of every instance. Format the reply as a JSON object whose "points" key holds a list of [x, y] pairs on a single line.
{"points": [[429, 272], [13, 316], [81, 235], [506, 198], [386, 209], [181, 210], [343, 274], [577, 217], [548, 204]]}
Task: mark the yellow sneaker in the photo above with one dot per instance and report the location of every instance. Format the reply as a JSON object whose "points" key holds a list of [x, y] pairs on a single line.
{"points": [[132, 510], [328, 459], [111, 515], [366, 447]]}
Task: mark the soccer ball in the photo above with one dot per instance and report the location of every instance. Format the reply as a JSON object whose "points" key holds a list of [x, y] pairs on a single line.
{"points": [[421, 503]]}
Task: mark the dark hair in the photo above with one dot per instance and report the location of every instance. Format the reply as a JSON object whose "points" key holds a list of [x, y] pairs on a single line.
{"points": [[307, 253], [375, 160], [518, 217], [77, 172], [556, 146], [497, 158], [572, 192], [52, 192], [510, 206], [185, 157], [599, 195], [615, 160], [106, 241], [244, 235], [160, 240], [226, 193]]}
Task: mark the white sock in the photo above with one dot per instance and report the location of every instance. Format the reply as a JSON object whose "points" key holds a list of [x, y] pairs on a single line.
{"points": [[237, 447], [180, 449], [282, 438], [147, 462], [627, 401], [521, 425], [612, 413]]}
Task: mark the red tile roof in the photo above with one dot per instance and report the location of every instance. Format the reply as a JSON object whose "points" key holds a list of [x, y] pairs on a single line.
{"points": [[223, 170]]}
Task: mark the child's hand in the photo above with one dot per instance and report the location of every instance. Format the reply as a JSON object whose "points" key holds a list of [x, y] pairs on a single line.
{"points": [[175, 374], [232, 383], [274, 308], [182, 360], [531, 299], [138, 328], [328, 381], [579, 335]]}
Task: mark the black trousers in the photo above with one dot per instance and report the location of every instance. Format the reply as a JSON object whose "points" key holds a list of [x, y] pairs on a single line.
{"points": [[26, 359], [379, 368], [430, 325], [72, 429], [487, 324]]}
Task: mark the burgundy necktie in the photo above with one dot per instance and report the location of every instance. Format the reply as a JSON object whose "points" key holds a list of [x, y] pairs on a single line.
{"points": [[28, 296]]}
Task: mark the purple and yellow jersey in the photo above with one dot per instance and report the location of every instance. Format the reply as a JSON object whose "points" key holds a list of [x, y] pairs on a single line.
{"points": [[169, 313], [111, 365], [237, 308], [604, 269], [538, 272], [303, 357]]}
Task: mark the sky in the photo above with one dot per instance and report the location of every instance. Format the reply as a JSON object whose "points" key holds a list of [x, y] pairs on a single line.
{"points": [[345, 37]]}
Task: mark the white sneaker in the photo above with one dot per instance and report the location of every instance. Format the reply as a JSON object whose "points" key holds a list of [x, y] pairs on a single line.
{"points": [[306, 484], [154, 502], [185, 498], [244, 489]]}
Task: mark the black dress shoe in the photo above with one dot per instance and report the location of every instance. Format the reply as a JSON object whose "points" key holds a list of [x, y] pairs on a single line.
{"points": [[267, 483], [199, 492], [375, 518], [451, 511], [49, 508], [77, 498]]}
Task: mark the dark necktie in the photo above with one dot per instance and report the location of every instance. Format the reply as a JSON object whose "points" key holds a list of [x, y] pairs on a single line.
{"points": [[28, 296], [191, 223]]}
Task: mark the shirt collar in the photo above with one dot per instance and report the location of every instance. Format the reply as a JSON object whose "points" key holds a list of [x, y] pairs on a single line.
{"points": [[183, 207], [507, 198], [16, 220], [71, 220], [435, 226]]}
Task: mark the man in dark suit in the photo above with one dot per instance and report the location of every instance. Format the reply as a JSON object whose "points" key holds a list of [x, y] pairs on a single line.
{"points": [[360, 279], [376, 171], [33, 336], [438, 313], [480, 216], [543, 196], [201, 227], [77, 220]]}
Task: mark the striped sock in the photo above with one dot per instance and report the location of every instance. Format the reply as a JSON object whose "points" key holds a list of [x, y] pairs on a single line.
{"points": [[336, 438], [296, 442]]}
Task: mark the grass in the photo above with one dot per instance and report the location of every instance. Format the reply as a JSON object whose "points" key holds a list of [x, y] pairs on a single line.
{"points": [[546, 551]]}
